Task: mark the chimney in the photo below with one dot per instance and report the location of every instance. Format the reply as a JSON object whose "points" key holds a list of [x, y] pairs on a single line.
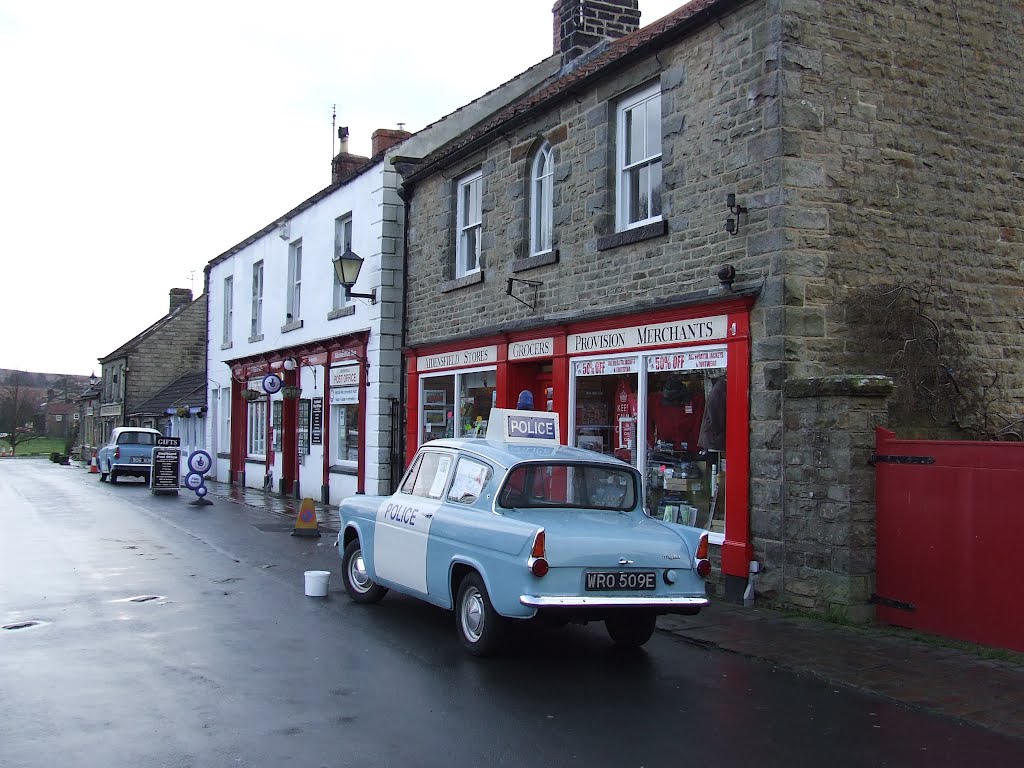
{"points": [[180, 297], [384, 138], [580, 25], [344, 163]]}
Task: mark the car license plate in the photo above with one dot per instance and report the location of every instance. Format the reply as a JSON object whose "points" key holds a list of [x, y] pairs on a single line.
{"points": [[138, 460], [605, 581]]}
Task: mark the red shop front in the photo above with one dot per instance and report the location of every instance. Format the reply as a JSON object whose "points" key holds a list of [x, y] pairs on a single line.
{"points": [[667, 391]]}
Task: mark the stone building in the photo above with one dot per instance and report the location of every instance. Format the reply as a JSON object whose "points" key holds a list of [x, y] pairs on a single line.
{"points": [[692, 242], [136, 370]]}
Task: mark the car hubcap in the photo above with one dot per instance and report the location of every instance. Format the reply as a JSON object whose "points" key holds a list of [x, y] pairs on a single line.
{"points": [[473, 614], [357, 573]]}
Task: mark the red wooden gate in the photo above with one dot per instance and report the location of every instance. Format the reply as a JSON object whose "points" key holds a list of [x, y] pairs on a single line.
{"points": [[950, 528]]}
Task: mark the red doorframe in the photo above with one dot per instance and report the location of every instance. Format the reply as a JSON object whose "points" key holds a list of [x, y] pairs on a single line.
{"points": [[239, 430], [289, 435]]}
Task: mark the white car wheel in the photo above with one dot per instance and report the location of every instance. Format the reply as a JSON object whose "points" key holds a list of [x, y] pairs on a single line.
{"points": [[360, 587], [480, 627]]}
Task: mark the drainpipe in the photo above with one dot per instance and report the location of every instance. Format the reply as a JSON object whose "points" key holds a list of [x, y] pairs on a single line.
{"points": [[402, 372]]}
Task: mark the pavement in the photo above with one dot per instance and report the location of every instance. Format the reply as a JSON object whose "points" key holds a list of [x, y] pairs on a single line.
{"points": [[941, 676]]}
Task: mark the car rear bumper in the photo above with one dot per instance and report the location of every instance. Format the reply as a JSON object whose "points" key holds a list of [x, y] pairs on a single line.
{"points": [[663, 604]]}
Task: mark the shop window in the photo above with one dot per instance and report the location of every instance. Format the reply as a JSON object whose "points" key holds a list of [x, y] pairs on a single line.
{"points": [[665, 414], [305, 409], [685, 434], [225, 418], [257, 429], [276, 419], [606, 407], [456, 405], [345, 429]]}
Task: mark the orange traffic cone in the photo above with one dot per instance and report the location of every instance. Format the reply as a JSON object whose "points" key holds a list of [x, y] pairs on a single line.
{"points": [[93, 468], [306, 524]]}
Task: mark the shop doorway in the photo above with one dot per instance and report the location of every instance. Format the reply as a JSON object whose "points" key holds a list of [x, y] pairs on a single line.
{"points": [[534, 378]]}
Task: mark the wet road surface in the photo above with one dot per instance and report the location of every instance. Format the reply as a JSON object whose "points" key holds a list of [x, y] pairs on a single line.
{"points": [[229, 664]]}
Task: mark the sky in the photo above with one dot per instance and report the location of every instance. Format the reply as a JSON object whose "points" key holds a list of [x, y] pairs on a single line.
{"points": [[140, 140]]}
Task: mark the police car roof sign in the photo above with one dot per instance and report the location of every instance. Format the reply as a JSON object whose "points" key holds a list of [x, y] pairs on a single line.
{"points": [[513, 426]]}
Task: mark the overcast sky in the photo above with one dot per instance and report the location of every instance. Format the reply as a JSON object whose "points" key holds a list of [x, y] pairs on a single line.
{"points": [[140, 140]]}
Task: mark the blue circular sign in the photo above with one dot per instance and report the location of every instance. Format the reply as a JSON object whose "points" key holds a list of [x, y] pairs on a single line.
{"points": [[193, 481], [200, 462], [201, 491], [272, 383]]}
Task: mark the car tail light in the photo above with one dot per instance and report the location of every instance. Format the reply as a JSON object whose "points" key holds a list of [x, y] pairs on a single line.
{"points": [[117, 453], [701, 562], [538, 562], [539, 542]]}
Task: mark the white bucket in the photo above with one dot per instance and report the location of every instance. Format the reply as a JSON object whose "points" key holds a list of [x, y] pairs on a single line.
{"points": [[316, 583]]}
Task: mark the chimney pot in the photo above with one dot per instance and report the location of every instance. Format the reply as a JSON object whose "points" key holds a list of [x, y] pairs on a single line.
{"points": [[180, 297], [385, 138], [580, 25]]}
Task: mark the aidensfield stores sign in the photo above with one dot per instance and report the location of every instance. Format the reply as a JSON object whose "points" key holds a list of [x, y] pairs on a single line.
{"points": [[698, 329], [465, 357]]}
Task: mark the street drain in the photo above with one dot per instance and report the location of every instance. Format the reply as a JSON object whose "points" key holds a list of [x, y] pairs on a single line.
{"points": [[22, 624], [139, 599]]}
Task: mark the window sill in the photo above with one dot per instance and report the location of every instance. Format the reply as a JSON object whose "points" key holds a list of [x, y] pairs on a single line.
{"points": [[226, 345], [294, 325], [635, 235], [540, 260], [223, 455], [256, 338], [334, 314], [339, 469], [462, 282], [255, 460]]}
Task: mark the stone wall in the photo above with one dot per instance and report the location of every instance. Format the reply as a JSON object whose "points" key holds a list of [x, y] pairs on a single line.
{"points": [[901, 135]]}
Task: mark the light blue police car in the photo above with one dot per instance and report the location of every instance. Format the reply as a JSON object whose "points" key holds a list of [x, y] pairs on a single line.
{"points": [[517, 526]]}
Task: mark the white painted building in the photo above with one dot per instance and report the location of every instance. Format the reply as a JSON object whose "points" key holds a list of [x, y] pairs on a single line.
{"points": [[276, 309]]}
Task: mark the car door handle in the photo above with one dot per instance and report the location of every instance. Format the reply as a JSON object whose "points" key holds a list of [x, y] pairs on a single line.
{"points": [[428, 514]]}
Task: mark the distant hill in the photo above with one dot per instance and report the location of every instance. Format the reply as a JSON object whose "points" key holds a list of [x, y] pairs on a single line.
{"points": [[59, 383]]}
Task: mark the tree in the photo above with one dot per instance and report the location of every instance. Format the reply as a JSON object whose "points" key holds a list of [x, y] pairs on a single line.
{"points": [[19, 409]]}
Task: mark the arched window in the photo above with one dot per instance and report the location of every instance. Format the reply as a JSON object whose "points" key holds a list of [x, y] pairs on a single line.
{"points": [[541, 206]]}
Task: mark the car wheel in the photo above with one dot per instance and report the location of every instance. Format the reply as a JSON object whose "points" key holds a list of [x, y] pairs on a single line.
{"points": [[631, 631], [103, 476], [113, 477], [480, 627], [358, 584]]}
